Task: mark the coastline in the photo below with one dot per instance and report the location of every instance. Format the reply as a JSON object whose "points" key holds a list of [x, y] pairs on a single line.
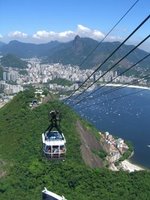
{"points": [[127, 165], [115, 150], [128, 86]]}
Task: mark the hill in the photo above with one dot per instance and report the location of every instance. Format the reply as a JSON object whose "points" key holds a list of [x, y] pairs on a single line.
{"points": [[2, 44], [75, 51], [24, 172], [11, 60], [27, 50]]}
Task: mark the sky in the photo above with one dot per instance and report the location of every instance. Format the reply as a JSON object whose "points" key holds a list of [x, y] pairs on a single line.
{"points": [[41, 21]]}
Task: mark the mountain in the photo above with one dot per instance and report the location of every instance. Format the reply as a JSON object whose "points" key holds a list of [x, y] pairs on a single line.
{"points": [[2, 44], [72, 52], [11, 60], [27, 50], [24, 171], [75, 51]]}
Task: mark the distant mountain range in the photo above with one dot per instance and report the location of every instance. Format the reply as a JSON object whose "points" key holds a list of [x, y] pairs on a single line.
{"points": [[27, 50], [75, 51], [2, 44]]}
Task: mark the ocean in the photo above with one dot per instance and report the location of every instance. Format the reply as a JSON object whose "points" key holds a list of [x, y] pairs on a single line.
{"points": [[127, 117]]}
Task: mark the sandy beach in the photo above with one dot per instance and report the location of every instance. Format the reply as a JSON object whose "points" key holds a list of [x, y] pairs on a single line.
{"points": [[129, 86], [126, 165]]}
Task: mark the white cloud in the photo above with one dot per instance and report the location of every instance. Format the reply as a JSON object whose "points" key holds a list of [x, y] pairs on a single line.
{"points": [[43, 34], [51, 35], [68, 35], [17, 34], [87, 32], [98, 34], [83, 29]]}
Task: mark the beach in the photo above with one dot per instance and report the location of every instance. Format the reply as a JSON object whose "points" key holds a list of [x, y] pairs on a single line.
{"points": [[129, 86], [126, 165]]}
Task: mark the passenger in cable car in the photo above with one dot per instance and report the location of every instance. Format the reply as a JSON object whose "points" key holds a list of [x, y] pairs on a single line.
{"points": [[49, 149]]}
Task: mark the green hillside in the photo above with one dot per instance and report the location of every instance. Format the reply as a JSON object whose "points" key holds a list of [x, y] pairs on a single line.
{"points": [[11, 60], [24, 172], [61, 81]]}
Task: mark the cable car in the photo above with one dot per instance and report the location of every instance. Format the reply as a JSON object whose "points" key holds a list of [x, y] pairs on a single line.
{"points": [[48, 195], [34, 103], [54, 142]]}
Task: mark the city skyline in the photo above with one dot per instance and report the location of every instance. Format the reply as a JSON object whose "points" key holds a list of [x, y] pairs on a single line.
{"points": [[44, 21]]}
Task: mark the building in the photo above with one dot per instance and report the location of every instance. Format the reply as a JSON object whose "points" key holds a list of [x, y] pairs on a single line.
{"points": [[114, 147], [10, 75]]}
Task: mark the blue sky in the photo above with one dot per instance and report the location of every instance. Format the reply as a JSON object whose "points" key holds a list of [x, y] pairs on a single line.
{"points": [[45, 20]]}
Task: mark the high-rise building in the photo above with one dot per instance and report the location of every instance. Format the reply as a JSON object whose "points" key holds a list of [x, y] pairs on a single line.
{"points": [[4, 76]]}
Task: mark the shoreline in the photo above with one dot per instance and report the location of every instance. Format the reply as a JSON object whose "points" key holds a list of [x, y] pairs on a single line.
{"points": [[127, 165], [114, 150], [128, 86]]}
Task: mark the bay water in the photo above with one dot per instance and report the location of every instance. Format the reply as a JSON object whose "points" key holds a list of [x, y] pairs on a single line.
{"points": [[127, 117]]}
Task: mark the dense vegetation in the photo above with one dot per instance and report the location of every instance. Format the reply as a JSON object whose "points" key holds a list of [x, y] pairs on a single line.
{"points": [[28, 172], [102, 154], [11, 60], [61, 81], [128, 153]]}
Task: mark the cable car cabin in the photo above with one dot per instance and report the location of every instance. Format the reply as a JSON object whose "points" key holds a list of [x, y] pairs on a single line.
{"points": [[48, 195], [53, 139], [54, 144]]}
